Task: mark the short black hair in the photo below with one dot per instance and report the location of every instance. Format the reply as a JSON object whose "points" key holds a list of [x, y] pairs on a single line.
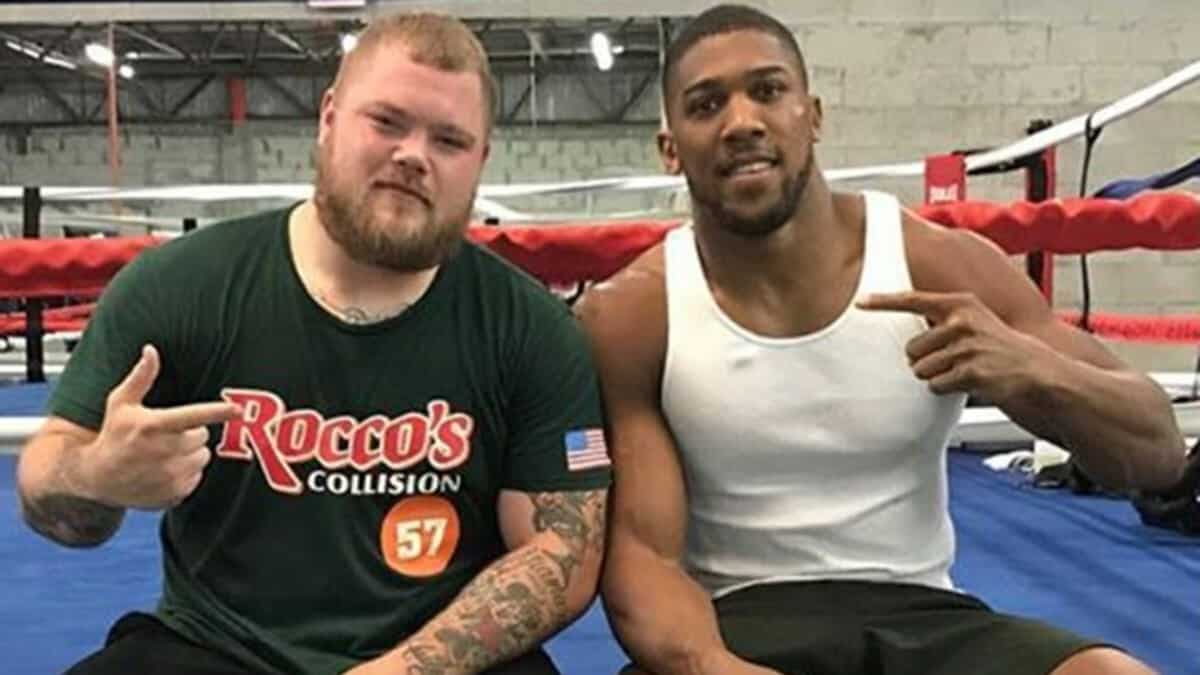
{"points": [[722, 19]]}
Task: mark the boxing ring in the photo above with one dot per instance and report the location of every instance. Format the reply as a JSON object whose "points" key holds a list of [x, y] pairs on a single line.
{"points": [[1086, 563]]}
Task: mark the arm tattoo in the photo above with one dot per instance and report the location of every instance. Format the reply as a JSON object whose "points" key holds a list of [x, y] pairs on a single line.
{"points": [[577, 518], [72, 521], [518, 601], [426, 660], [505, 611]]}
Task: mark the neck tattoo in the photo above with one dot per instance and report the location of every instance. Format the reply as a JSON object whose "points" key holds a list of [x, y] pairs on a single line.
{"points": [[360, 316]]}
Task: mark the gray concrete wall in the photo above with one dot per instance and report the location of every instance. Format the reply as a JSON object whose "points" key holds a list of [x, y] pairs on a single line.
{"points": [[900, 79]]}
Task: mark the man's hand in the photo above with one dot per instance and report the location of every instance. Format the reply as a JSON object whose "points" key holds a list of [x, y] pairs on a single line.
{"points": [[968, 348], [149, 458]]}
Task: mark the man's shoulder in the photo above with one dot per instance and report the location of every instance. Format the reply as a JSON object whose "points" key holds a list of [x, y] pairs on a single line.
{"points": [[212, 255], [947, 259], [501, 279], [625, 317], [639, 289], [223, 240]]}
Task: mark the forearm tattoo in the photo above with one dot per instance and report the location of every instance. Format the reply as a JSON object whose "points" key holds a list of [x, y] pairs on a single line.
{"points": [[72, 521], [514, 604]]}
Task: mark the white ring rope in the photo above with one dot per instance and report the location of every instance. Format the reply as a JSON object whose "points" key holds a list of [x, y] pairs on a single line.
{"points": [[977, 425], [980, 425]]}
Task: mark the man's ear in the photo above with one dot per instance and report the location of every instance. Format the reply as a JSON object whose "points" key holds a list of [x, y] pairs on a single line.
{"points": [[667, 152], [818, 118], [325, 121]]}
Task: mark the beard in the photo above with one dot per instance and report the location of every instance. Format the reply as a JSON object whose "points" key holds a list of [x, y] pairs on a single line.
{"points": [[763, 223], [401, 237]]}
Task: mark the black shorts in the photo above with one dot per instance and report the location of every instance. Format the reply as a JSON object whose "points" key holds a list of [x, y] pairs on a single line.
{"points": [[140, 643], [853, 628]]}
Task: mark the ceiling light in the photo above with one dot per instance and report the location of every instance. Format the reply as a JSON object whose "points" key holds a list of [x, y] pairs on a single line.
{"points": [[98, 53], [602, 50], [37, 55]]}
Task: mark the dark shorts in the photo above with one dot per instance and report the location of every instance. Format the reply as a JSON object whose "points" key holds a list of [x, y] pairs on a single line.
{"points": [[140, 643], [855, 628]]}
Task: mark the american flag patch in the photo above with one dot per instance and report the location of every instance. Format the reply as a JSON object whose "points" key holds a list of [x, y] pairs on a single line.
{"points": [[586, 449]]}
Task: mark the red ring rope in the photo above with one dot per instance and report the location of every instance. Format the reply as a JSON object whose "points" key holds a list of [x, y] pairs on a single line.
{"points": [[566, 254]]}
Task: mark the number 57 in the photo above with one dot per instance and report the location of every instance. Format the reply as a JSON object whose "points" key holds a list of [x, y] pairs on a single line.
{"points": [[415, 538]]}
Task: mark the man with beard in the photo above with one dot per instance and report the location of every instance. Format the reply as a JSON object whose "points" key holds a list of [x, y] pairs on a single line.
{"points": [[378, 447], [780, 379]]}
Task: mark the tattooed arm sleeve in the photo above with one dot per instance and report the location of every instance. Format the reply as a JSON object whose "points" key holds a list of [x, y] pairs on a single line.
{"points": [[46, 486], [547, 579]]}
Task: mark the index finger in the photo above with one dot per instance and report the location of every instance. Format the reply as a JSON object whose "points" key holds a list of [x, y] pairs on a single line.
{"points": [[194, 415], [932, 305]]}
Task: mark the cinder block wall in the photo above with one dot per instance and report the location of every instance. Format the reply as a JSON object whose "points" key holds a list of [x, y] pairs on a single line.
{"points": [[900, 79]]}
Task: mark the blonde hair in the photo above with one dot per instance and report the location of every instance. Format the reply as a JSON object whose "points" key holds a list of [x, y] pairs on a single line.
{"points": [[436, 40]]}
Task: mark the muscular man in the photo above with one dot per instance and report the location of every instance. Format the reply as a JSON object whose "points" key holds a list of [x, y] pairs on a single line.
{"points": [[377, 446], [780, 380]]}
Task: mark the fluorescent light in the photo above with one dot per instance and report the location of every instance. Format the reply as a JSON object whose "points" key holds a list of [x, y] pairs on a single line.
{"points": [[54, 61], [98, 53], [349, 42], [18, 47], [37, 55], [602, 50], [126, 71], [132, 56]]}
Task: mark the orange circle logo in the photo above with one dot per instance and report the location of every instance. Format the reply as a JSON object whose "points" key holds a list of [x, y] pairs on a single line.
{"points": [[419, 536]]}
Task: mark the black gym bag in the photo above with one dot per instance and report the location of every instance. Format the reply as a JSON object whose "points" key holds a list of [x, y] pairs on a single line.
{"points": [[1178, 507]]}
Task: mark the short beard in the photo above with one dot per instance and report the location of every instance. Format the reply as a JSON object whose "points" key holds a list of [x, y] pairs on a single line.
{"points": [[768, 221], [348, 222]]}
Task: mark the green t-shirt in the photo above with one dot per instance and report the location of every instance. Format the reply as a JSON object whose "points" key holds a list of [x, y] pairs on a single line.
{"points": [[356, 496]]}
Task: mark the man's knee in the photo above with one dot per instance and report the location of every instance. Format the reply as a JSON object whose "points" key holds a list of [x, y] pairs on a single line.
{"points": [[1102, 661]]}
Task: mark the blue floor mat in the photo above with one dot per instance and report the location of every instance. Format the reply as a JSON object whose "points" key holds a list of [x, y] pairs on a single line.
{"points": [[1084, 563]]}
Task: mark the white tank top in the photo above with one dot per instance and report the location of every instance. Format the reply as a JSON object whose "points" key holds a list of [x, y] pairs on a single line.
{"points": [[811, 457]]}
